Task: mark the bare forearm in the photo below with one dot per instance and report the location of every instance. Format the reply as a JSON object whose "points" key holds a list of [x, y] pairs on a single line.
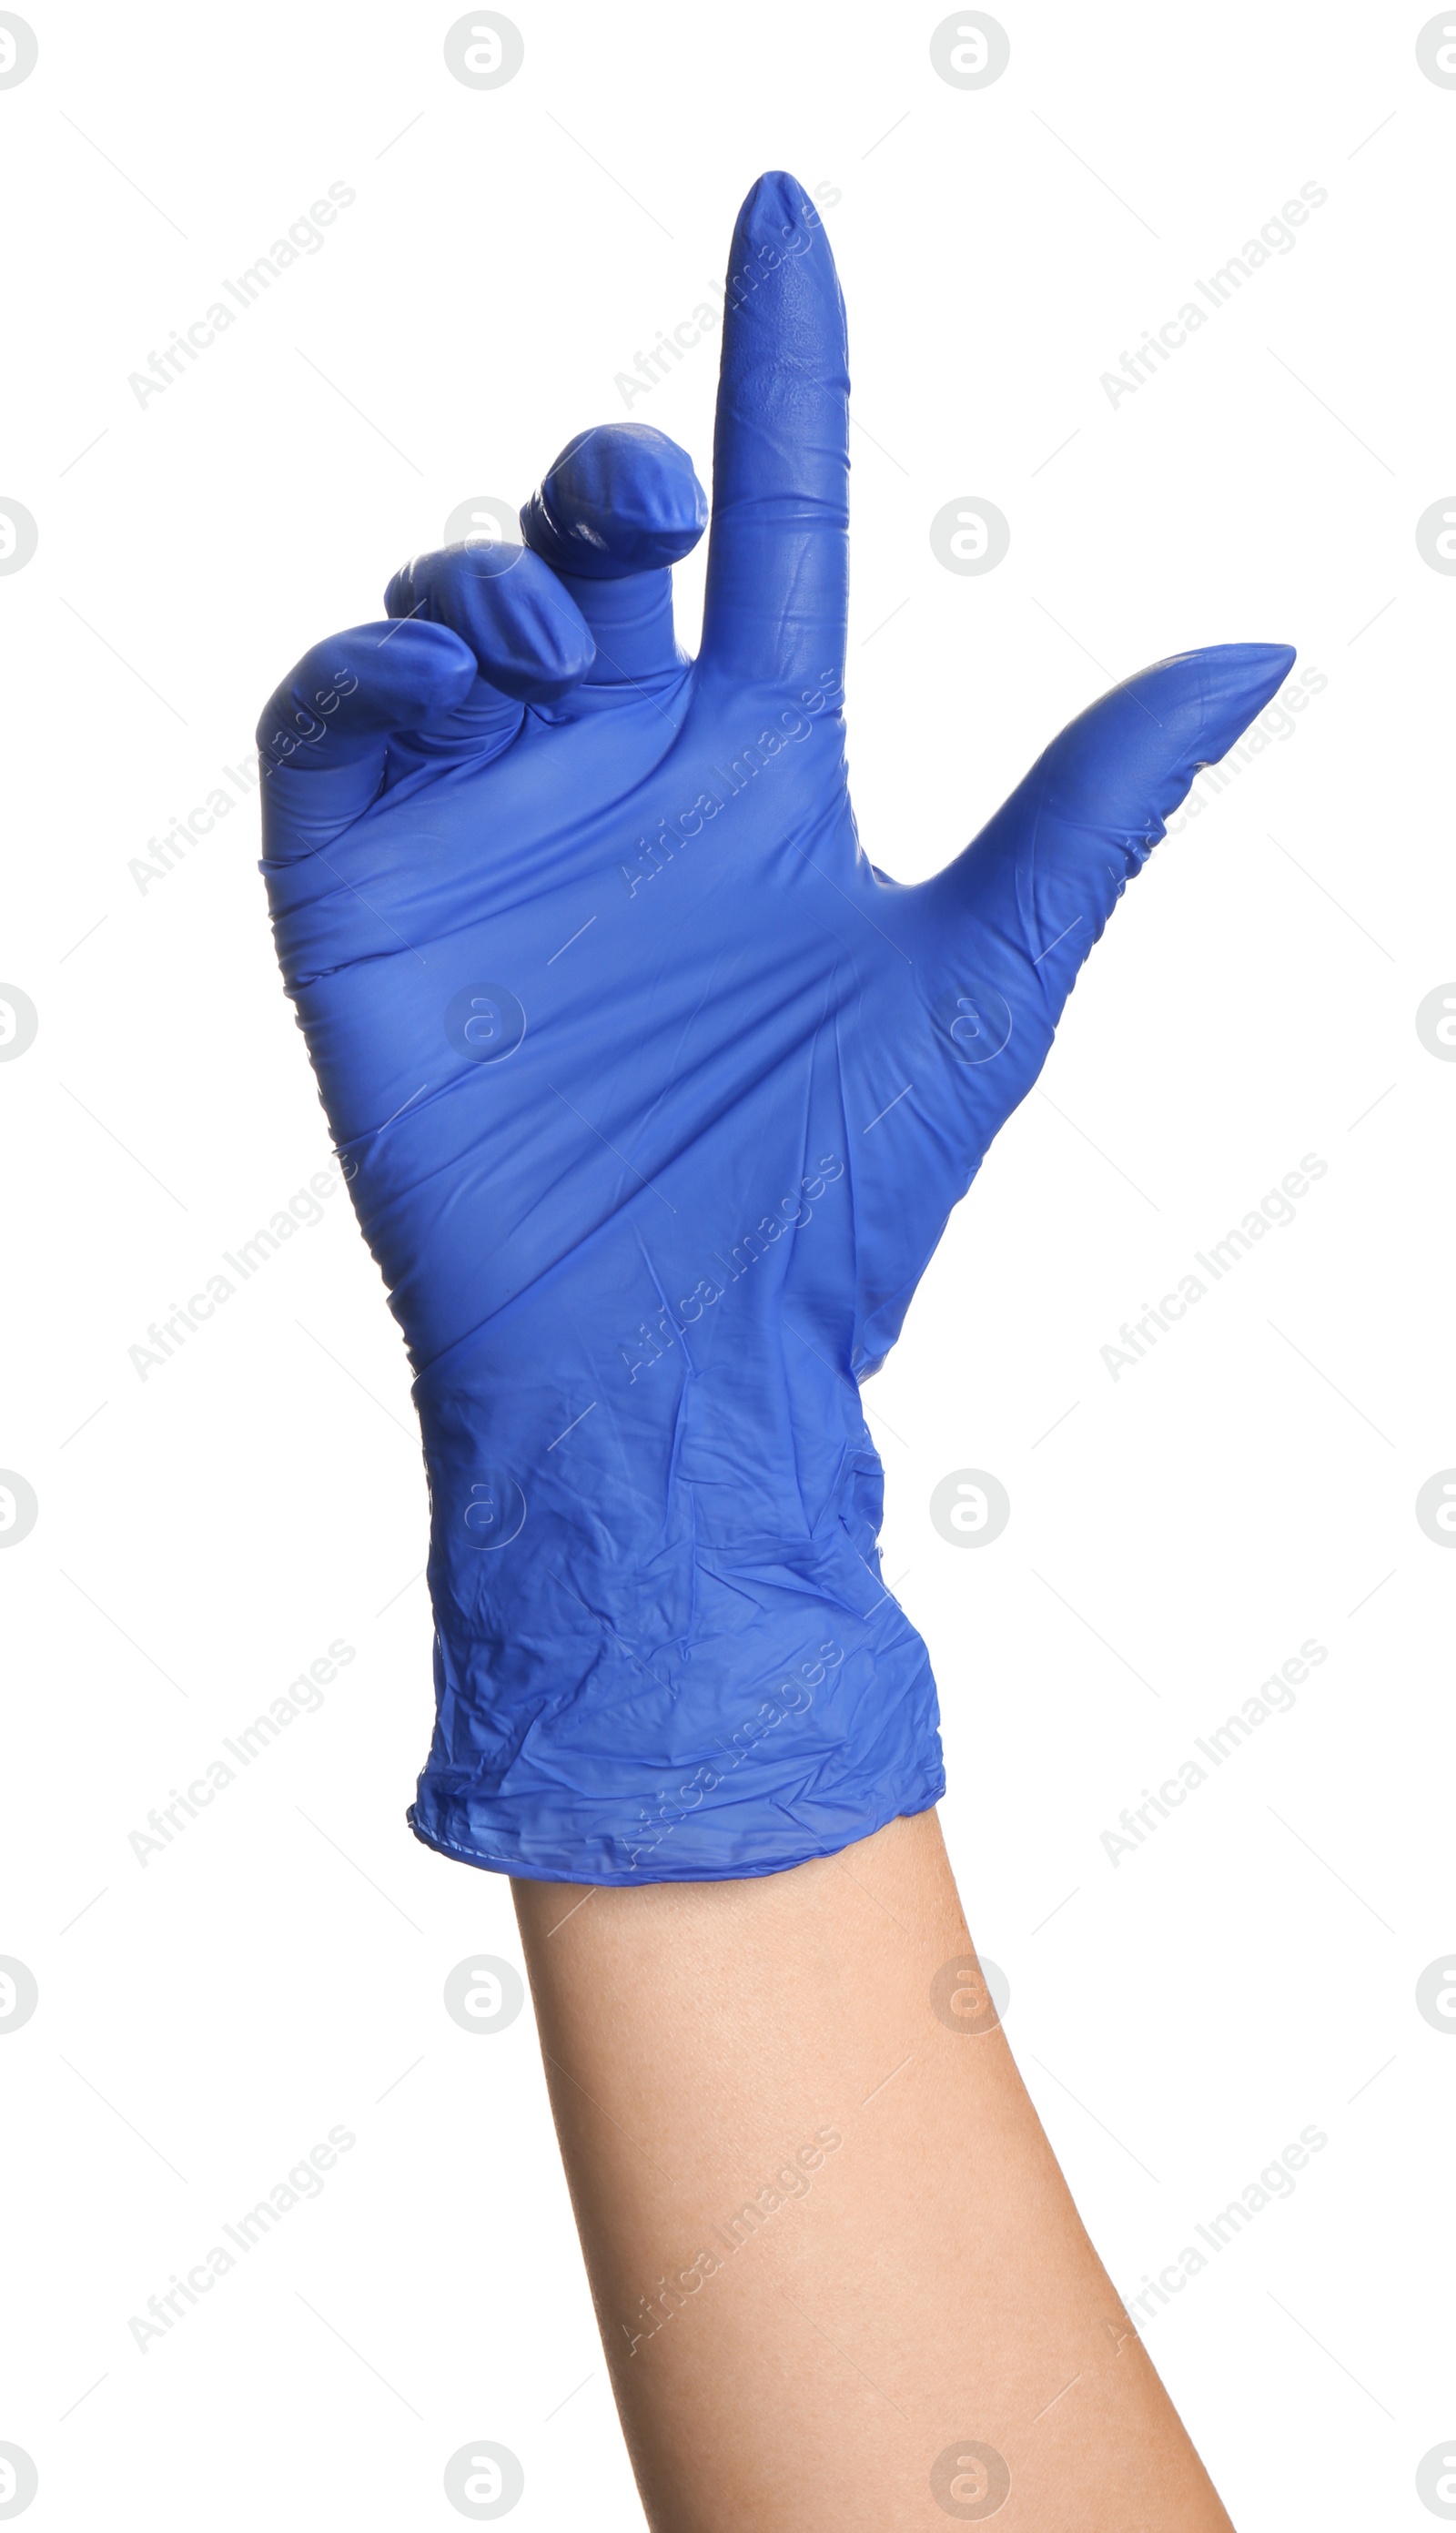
{"points": [[840, 2278]]}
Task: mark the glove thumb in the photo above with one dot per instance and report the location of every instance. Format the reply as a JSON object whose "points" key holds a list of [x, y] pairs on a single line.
{"points": [[1044, 875]]}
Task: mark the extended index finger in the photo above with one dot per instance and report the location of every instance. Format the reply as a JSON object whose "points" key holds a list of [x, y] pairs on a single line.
{"points": [[779, 549]]}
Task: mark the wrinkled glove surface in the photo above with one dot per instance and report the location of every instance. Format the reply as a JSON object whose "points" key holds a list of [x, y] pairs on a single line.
{"points": [[655, 1096]]}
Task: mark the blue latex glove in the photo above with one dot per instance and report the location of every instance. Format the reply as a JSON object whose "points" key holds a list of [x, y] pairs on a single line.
{"points": [[655, 1096]]}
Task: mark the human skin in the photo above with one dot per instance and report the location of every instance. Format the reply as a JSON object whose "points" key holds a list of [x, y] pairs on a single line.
{"points": [[925, 2287]]}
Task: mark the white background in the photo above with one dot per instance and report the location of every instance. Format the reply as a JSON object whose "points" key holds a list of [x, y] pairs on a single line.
{"points": [[1175, 1533]]}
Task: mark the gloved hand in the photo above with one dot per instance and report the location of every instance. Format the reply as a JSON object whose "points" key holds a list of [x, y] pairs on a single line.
{"points": [[655, 1096]]}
